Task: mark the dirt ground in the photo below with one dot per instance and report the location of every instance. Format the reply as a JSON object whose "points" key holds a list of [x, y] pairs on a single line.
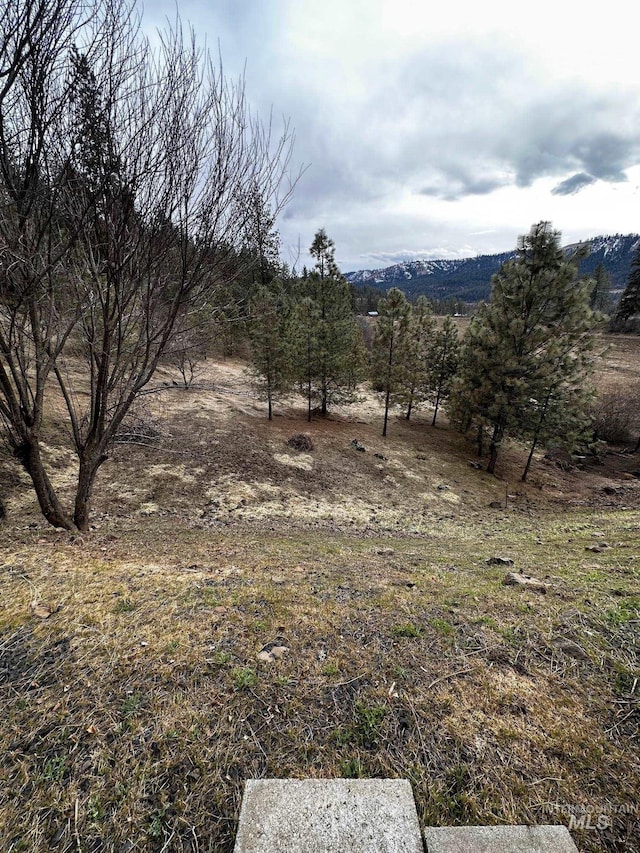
{"points": [[216, 459], [139, 680]]}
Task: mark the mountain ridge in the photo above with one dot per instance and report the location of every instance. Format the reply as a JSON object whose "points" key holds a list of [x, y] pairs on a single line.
{"points": [[469, 279]]}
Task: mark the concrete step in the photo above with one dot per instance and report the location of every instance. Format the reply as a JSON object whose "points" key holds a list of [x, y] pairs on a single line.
{"points": [[498, 839], [328, 816], [368, 816]]}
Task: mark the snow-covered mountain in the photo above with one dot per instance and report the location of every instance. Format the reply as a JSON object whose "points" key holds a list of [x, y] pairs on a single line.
{"points": [[469, 279]]}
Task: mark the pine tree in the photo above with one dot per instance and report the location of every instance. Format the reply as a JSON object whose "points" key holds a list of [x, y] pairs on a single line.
{"points": [[262, 238], [414, 354], [600, 299], [629, 304], [304, 348], [358, 366], [527, 345], [332, 337], [561, 413], [270, 345], [389, 348], [443, 358]]}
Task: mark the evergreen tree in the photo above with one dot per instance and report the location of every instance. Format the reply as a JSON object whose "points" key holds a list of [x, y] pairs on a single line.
{"points": [[389, 348], [443, 358], [561, 414], [358, 359], [413, 357], [600, 299], [262, 238], [333, 334], [268, 335], [528, 345], [629, 304], [304, 348]]}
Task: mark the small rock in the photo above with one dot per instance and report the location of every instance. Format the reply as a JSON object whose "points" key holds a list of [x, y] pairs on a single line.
{"points": [[496, 504], [572, 649], [41, 609], [269, 655], [385, 552], [514, 579], [278, 651], [476, 465], [380, 456], [358, 446], [499, 561], [611, 490]]}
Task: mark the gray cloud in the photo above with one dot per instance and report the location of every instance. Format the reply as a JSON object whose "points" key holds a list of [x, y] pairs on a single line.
{"points": [[574, 184], [449, 121]]}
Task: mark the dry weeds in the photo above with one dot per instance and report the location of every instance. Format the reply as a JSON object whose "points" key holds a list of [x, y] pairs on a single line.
{"points": [[135, 704]]}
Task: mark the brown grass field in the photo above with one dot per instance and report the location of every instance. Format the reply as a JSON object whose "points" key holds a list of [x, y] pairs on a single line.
{"points": [[134, 703]]}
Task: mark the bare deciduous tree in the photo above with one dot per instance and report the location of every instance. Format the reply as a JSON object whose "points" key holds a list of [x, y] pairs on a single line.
{"points": [[123, 199]]}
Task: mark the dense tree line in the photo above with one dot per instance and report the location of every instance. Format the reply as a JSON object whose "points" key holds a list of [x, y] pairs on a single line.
{"points": [[522, 370]]}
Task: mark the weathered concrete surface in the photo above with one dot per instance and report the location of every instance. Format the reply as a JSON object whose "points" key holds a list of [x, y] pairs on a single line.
{"points": [[498, 839], [328, 816]]}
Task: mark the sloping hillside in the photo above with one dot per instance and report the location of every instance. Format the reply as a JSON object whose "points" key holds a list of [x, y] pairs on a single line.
{"points": [[242, 609]]}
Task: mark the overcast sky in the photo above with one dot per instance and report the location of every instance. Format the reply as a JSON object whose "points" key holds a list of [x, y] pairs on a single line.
{"points": [[440, 130]]}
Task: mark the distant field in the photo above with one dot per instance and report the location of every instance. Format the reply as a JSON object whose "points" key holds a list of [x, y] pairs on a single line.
{"points": [[135, 704]]}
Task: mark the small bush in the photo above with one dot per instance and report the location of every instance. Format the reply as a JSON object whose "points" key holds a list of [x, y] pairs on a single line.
{"points": [[244, 678], [615, 413], [302, 441], [139, 426]]}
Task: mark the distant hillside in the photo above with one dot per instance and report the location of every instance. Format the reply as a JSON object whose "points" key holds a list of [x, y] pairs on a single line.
{"points": [[469, 279]]}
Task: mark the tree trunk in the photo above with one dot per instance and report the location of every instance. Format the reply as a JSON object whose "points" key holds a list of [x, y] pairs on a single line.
{"points": [[435, 414], [529, 460], [536, 436], [50, 506], [494, 447], [637, 447], [386, 412], [86, 478], [409, 407], [480, 441]]}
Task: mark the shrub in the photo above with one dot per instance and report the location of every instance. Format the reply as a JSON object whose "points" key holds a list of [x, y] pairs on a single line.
{"points": [[615, 413]]}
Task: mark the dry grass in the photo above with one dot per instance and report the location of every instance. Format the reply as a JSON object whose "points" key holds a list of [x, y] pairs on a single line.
{"points": [[136, 710]]}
